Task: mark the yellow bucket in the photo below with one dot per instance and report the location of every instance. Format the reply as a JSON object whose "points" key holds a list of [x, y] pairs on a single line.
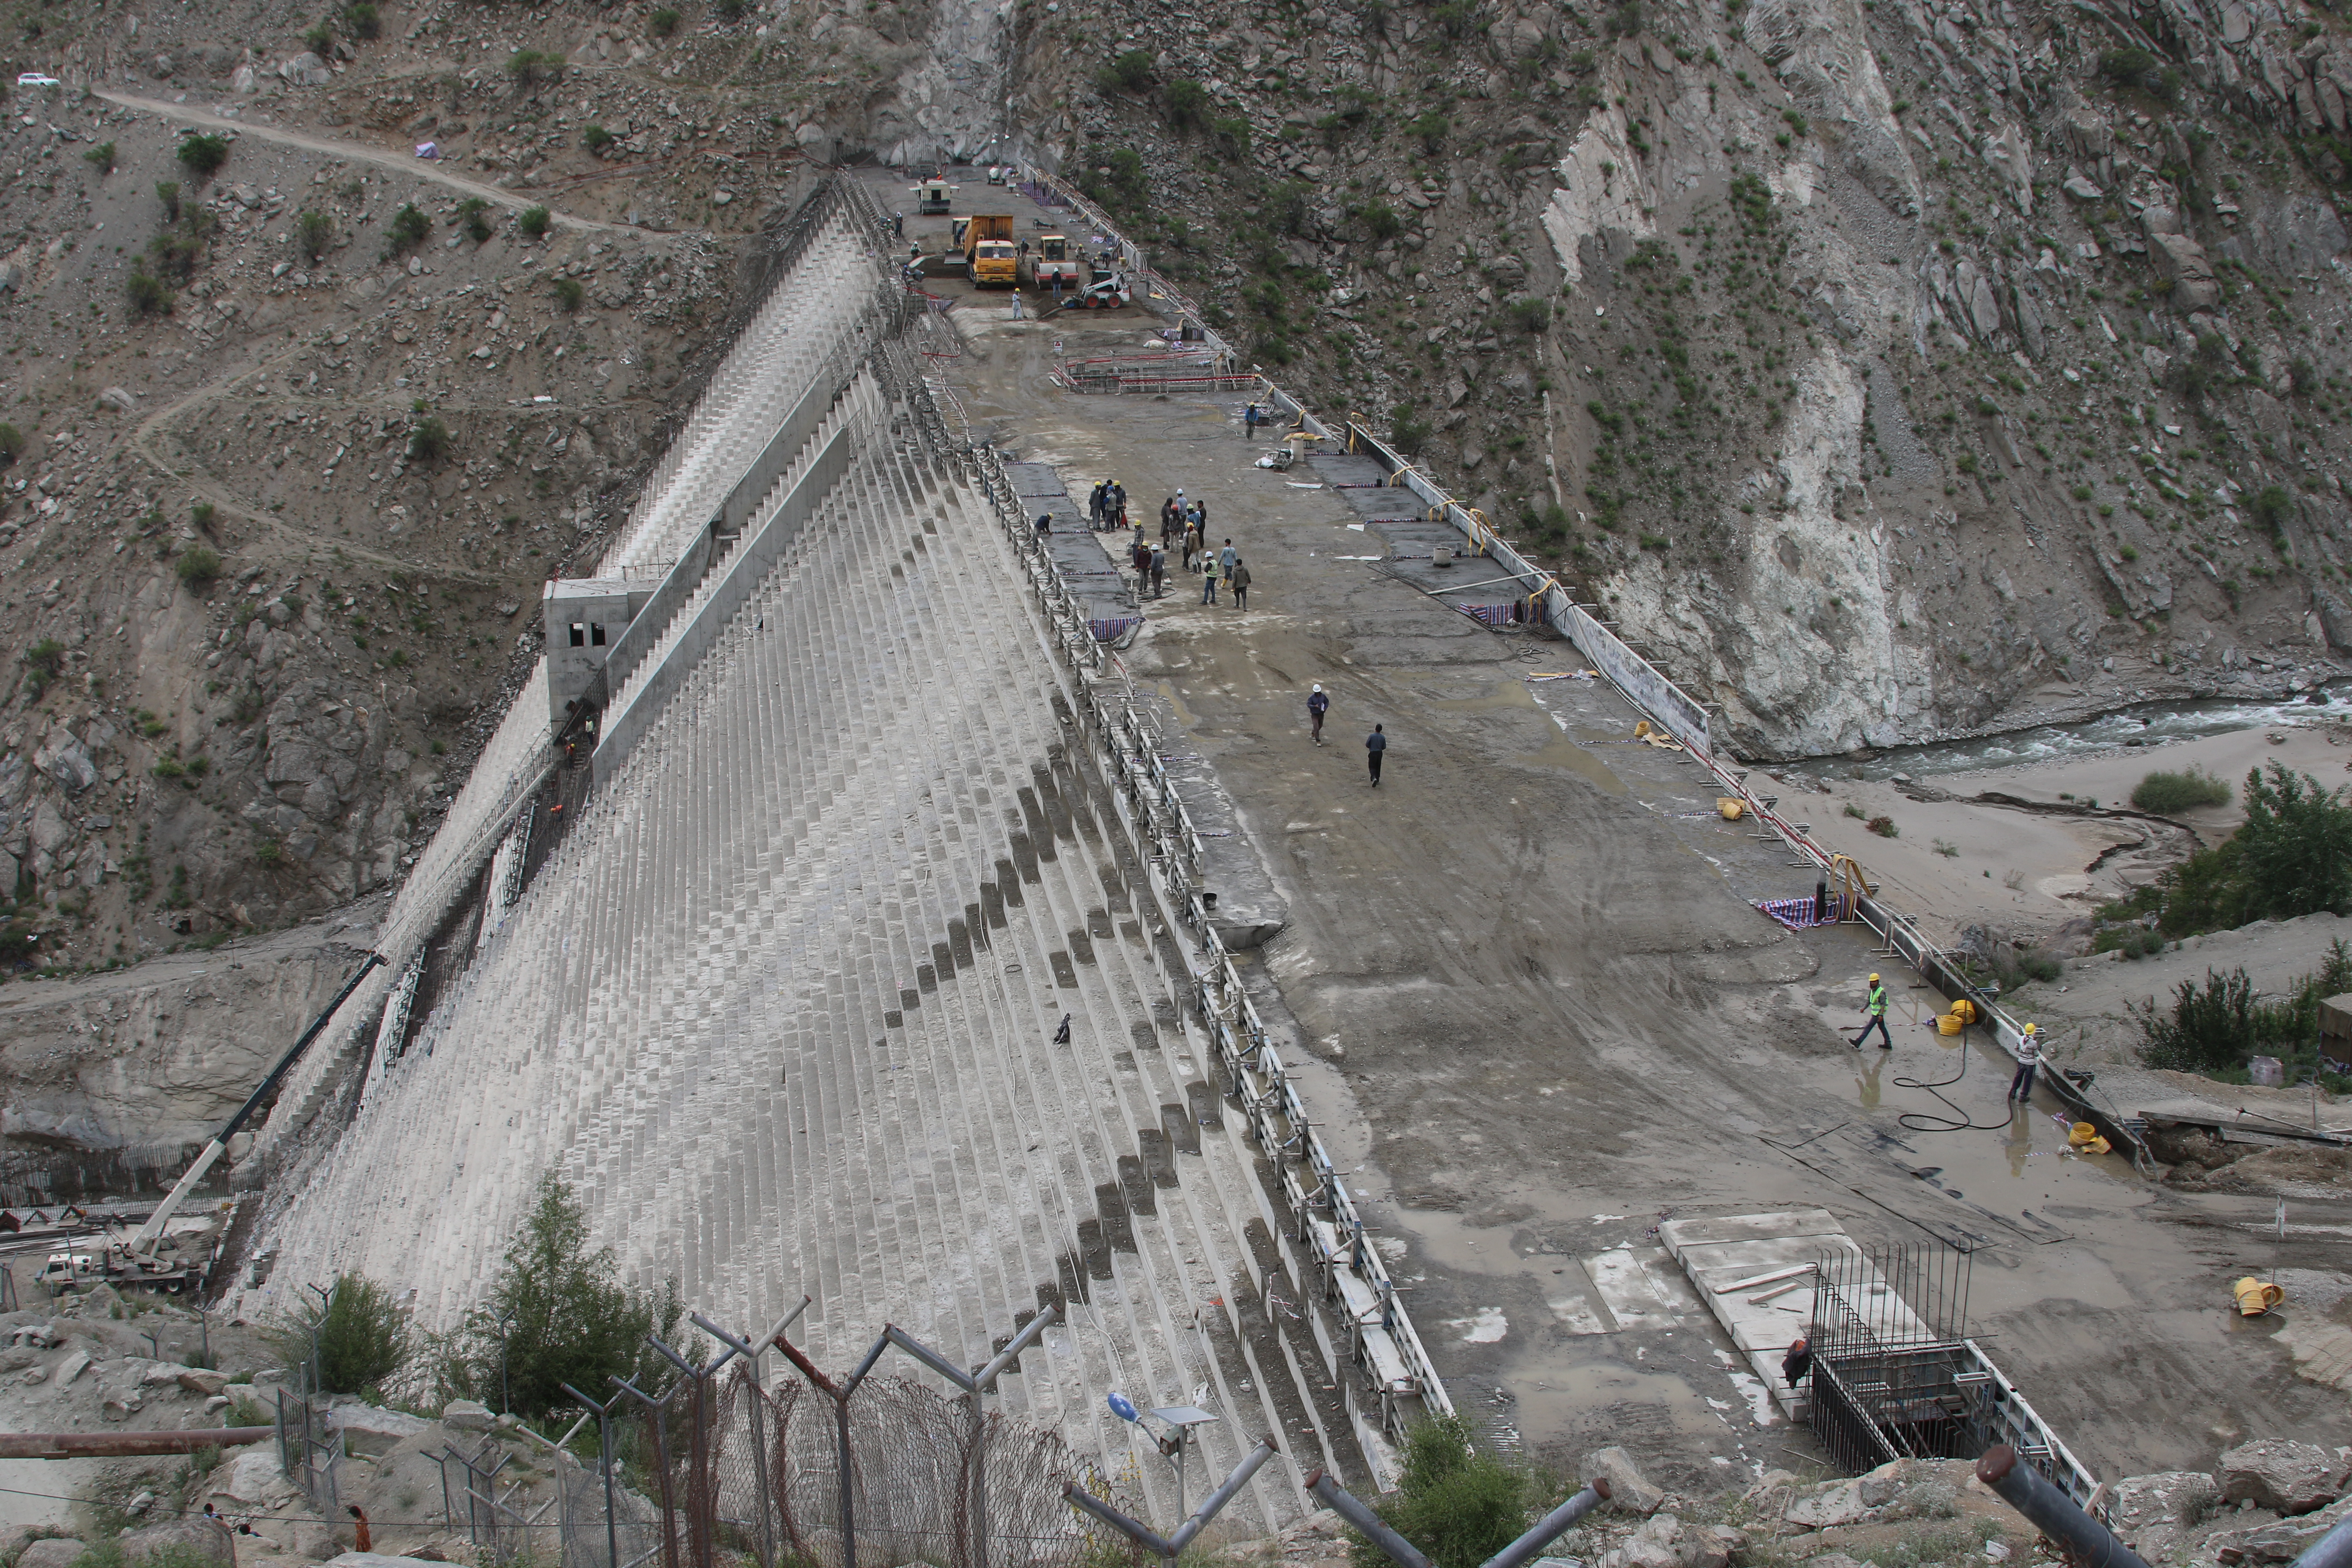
{"points": [[1732, 809], [2256, 1297], [1965, 1011], [1948, 1023]]}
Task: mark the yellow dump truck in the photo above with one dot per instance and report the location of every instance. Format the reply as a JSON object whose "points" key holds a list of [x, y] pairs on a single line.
{"points": [[989, 257], [1051, 261]]}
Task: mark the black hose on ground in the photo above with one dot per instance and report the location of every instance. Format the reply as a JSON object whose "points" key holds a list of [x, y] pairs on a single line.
{"points": [[1960, 1121]]}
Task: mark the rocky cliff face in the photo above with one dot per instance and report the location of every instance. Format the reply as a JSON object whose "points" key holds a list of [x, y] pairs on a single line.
{"points": [[1892, 370]]}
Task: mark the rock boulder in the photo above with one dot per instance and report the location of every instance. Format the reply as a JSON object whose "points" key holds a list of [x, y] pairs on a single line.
{"points": [[370, 1431], [2274, 1472], [1628, 1489], [60, 1552], [208, 1539]]}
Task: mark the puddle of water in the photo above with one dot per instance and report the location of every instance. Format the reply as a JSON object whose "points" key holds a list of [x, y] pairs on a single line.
{"points": [[2150, 722]]}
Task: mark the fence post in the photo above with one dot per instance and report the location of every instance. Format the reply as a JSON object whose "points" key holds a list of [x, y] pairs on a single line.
{"points": [[604, 1462], [1170, 1547], [751, 1354], [1542, 1533]]}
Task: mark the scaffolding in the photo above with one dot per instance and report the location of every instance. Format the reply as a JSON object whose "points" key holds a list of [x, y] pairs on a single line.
{"points": [[1895, 1375]]}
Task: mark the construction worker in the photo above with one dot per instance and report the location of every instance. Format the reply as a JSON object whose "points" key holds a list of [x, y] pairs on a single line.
{"points": [[1096, 501], [1876, 1007], [1249, 422], [1317, 704], [2029, 1057]]}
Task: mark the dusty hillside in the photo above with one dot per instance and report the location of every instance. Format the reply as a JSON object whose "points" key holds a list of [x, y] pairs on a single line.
{"points": [[276, 517], [1895, 370]]}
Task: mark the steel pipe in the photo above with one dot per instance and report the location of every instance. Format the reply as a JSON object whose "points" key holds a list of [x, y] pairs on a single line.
{"points": [[124, 1445], [2056, 1515], [2332, 1549]]}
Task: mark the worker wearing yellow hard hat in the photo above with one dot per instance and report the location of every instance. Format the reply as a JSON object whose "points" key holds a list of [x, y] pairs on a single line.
{"points": [[2029, 1057], [1875, 1008]]}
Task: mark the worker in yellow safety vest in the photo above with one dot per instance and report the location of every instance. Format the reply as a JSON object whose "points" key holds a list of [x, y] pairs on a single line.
{"points": [[1876, 1007]]}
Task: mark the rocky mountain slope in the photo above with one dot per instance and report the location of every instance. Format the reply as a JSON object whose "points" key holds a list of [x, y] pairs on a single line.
{"points": [[295, 442], [1892, 370]]}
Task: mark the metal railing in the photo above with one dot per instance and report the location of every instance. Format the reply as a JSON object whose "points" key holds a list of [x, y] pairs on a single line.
{"points": [[1394, 1375]]}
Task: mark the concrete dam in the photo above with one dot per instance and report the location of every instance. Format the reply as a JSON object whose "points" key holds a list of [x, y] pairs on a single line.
{"points": [[792, 921]]}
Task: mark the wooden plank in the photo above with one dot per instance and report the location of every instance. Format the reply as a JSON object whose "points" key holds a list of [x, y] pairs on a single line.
{"points": [[1773, 1278]]}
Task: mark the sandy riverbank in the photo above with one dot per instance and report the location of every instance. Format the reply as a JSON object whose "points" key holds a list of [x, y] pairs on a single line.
{"points": [[1960, 862]]}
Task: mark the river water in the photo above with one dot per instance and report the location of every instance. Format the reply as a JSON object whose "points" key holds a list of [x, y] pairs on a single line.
{"points": [[2148, 721]]}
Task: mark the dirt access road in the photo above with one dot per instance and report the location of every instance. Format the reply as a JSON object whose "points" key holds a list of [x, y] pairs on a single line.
{"points": [[1540, 1013], [407, 164]]}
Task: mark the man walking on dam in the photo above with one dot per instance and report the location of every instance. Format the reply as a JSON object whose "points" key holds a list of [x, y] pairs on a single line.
{"points": [[1876, 1008]]}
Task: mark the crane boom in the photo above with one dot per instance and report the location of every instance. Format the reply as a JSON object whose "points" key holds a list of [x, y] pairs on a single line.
{"points": [[152, 1231]]}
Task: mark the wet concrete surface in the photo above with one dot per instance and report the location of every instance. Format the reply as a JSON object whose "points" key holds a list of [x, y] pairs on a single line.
{"points": [[1539, 1012]]}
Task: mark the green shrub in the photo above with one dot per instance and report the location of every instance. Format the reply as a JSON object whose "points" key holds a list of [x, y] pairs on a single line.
{"points": [[198, 567], [1459, 1504], [428, 439], [730, 10], [12, 444], [319, 38], [2216, 1027], [2165, 792], [2272, 506], [147, 294], [2131, 68], [662, 22], [569, 1317], [1883, 827], [469, 214], [533, 221], [407, 230], [361, 20], [269, 852], [316, 231], [168, 193], [2293, 856], [1232, 135], [203, 153], [362, 1338], [1430, 129], [1532, 315], [101, 157], [596, 138], [568, 294], [169, 768], [1129, 72], [1187, 102], [532, 66], [43, 662]]}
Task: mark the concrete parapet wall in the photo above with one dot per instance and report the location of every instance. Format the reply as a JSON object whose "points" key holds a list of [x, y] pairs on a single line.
{"points": [[744, 569]]}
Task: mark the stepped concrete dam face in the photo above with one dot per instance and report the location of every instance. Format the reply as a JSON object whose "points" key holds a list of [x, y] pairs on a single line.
{"points": [[807, 918]]}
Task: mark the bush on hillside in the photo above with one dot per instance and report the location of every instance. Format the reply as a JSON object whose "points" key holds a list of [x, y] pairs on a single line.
{"points": [[203, 154], [533, 221], [199, 567], [316, 231], [1455, 1501], [2292, 857], [1129, 72], [407, 230], [1187, 102], [2163, 793], [2217, 1026], [362, 1340], [567, 1316]]}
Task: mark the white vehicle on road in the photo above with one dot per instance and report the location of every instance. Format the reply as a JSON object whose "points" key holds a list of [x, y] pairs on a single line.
{"points": [[34, 79]]}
